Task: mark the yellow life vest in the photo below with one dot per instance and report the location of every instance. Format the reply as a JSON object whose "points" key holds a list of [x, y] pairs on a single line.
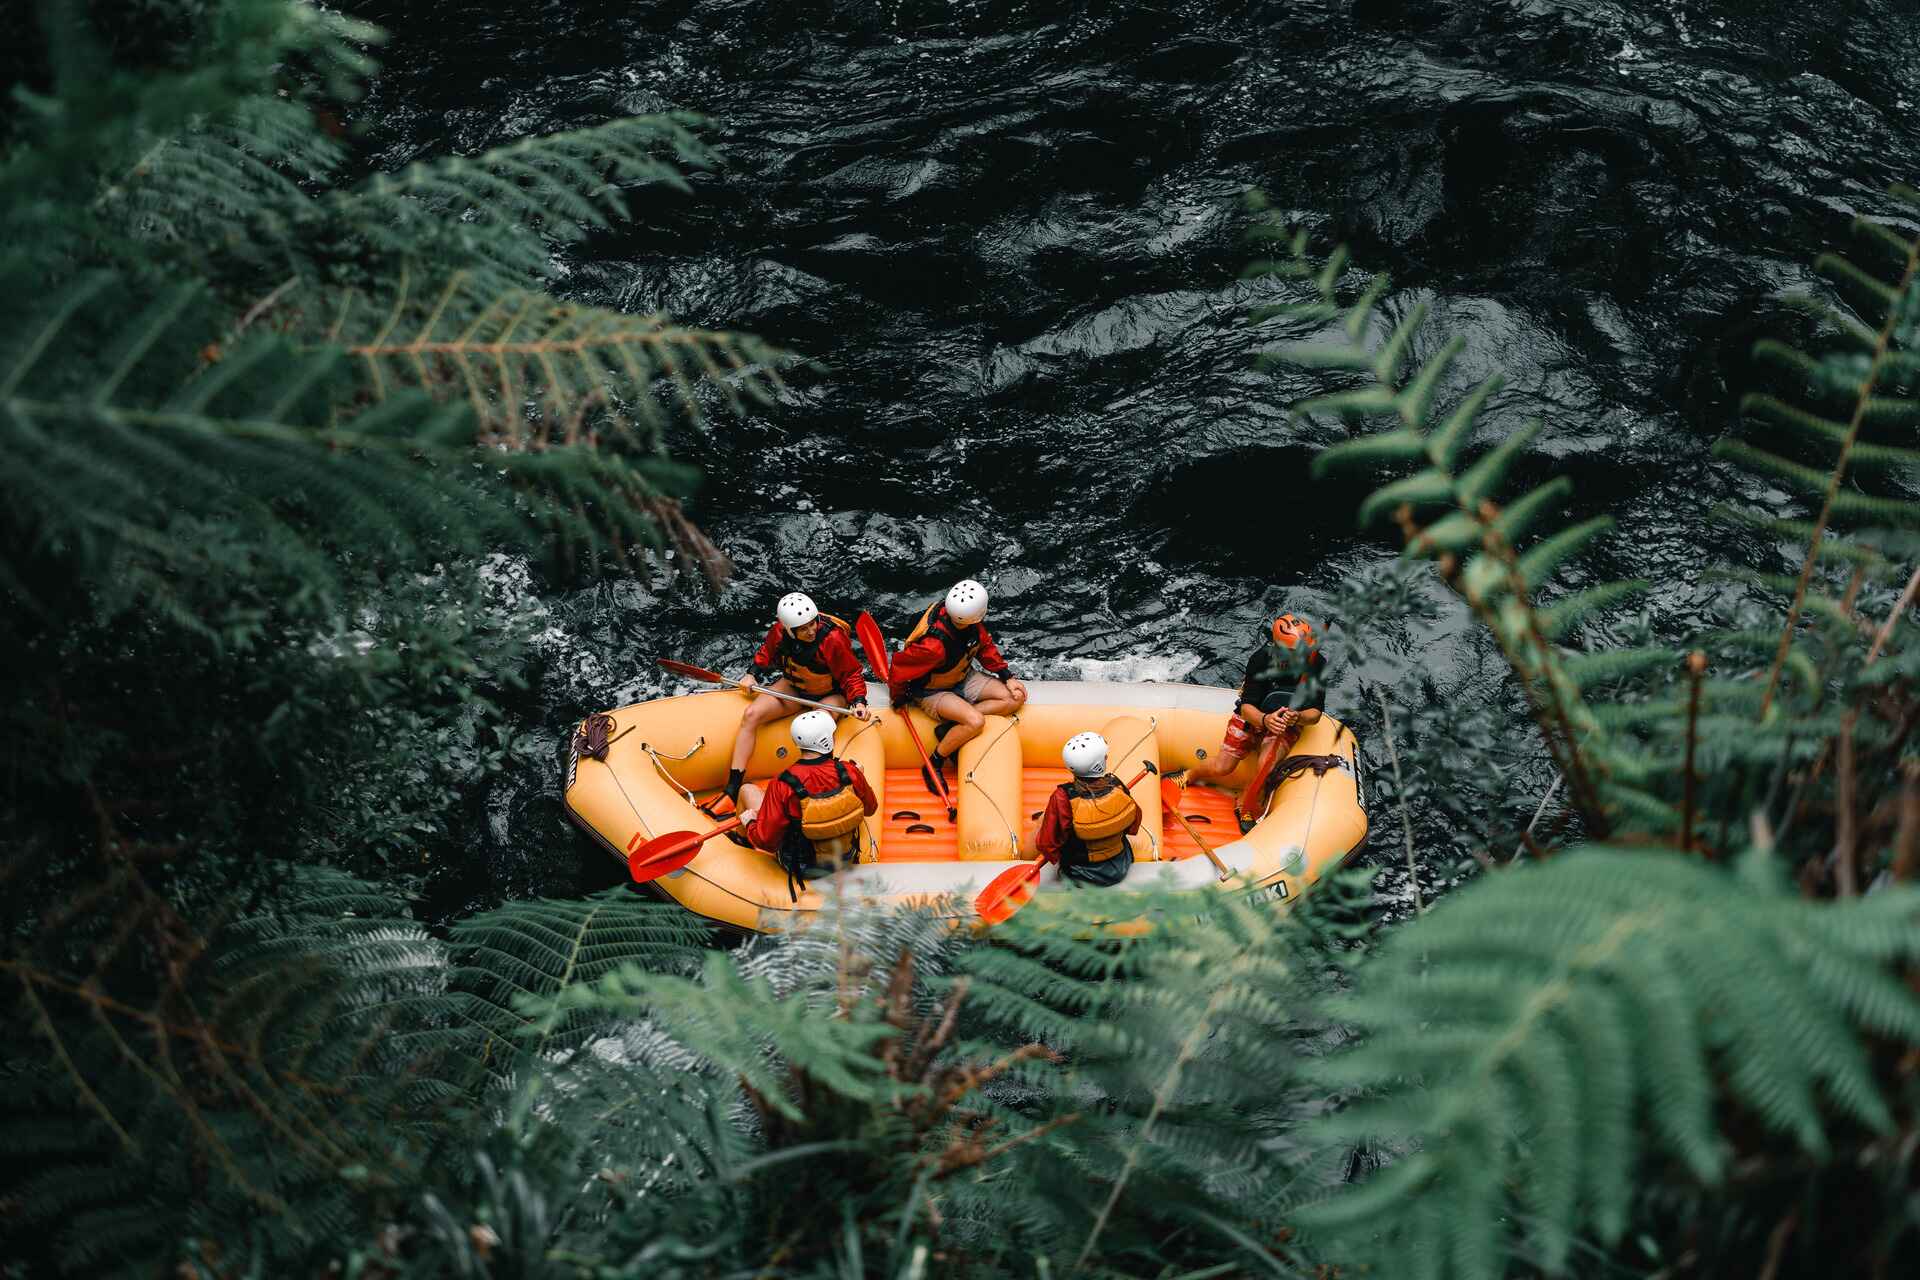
{"points": [[801, 662], [958, 644], [1102, 812], [829, 820]]}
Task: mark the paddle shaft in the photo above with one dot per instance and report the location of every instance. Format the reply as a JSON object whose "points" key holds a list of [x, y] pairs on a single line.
{"points": [[714, 677], [875, 646], [1169, 806], [664, 849]]}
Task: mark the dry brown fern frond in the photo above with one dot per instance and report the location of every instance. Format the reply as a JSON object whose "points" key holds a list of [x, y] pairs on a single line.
{"points": [[539, 372]]}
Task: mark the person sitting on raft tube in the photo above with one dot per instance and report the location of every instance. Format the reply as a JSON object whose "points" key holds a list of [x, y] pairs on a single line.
{"points": [[1088, 819], [952, 668], [1281, 694], [806, 652], [809, 816]]}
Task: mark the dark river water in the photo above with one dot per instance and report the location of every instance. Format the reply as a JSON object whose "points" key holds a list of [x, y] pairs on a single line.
{"points": [[1011, 235]]}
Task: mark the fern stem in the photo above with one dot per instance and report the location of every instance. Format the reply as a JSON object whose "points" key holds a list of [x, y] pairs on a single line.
{"points": [[1906, 836], [1225, 991], [1880, 350], [1846, 835], [1696, 668], [1527, 835], [1899, 608], [1400, 797], [87, 1095]]}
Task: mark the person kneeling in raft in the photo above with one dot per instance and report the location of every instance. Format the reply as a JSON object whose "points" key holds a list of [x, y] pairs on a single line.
{"points": [[809, 816], [813, 656], [937, 668], [1087, 820]]}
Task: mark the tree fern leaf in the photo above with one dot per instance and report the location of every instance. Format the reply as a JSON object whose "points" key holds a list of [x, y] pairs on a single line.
{"points": [[1773, 409], [1362, 309], [1361, 400], [1445, 444], [1387, 367], [1541, 560], [70, 302], [1865, 507], [1551, 1186], [1331, 271], [1889, 411], [1861, 337], [1424, 488], [1319, 355], [138, 339], [1560, 617], [1416, 400], [1879, 296], [1896, 247], [1484, 476], [1801, 531], [1785, 356], [1805, 478], [1456, 532], [1399, 445], [1611, 666]]}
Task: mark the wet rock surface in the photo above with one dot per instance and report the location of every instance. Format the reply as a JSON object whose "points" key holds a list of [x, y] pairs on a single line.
{"points": [[1009, 234]]}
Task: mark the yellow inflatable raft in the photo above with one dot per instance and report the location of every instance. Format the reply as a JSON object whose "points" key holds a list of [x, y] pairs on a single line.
{"points": [[671, 753]]}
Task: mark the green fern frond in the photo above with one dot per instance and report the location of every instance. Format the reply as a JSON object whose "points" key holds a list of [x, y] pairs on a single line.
{"points": [[535, 950], [1560, 617], [1520, 1032], [506, 201]]}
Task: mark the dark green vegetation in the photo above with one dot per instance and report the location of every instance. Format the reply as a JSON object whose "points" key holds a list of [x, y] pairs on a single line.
{"points": [[265, 422]]}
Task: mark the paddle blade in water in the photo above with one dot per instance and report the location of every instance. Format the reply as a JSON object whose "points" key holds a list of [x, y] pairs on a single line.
{"points": [[1007, 892]]}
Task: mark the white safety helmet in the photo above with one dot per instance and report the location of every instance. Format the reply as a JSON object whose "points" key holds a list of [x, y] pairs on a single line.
{"points": [[796, 609], [1086, 755], [813, 732], [967, 602]]}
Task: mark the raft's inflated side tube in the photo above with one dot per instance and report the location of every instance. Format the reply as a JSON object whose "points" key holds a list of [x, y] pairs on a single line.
{"points": [[1313, 821], [986, 786], [1133, 744]]}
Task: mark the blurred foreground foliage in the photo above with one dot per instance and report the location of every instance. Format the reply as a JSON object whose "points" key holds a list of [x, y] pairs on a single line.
{"points": [[276, 437]]}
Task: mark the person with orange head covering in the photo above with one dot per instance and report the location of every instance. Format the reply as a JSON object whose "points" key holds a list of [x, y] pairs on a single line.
{"points": [[1281, 693]]}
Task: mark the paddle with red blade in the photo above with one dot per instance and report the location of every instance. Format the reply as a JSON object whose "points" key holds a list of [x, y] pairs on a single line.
{"points": [[875, 646], [1013, 888], [666, 854], [714, 677], [1170, 794]]}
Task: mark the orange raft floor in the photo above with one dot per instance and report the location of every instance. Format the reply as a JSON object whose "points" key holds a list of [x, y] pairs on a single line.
{"points": [[914, 826]]}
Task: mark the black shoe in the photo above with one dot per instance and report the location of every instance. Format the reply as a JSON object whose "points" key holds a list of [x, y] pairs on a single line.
{"points": [[927, 772]]}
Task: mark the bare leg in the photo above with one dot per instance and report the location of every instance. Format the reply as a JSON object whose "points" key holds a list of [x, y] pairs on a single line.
{"points": [[764, 709], [995, 700], [963, 715], [1214, 767]]}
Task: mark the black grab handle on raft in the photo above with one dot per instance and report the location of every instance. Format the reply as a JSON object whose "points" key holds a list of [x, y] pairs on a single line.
{"points": [[920, 829], [905, 813]]}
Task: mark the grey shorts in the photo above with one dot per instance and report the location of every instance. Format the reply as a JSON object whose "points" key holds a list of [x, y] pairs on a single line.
{"points": [[973, 688]]}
